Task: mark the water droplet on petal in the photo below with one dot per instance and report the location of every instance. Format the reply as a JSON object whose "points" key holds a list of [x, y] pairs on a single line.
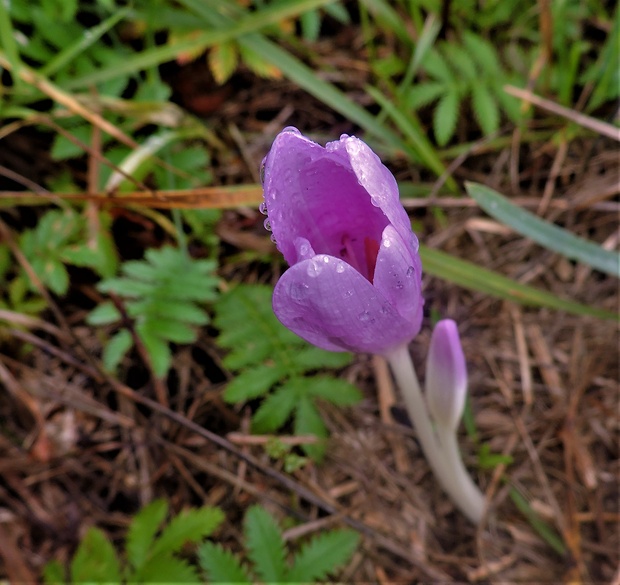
{"points": [[347, 294], [326, 259], [263, 208], [291, 130], [273, 238], [262, 172], [400, 285], [410, 271], [364, 317], [314, 268], [340, 267], [267, 224], [298, 290], [344, 136], [386, 242]]}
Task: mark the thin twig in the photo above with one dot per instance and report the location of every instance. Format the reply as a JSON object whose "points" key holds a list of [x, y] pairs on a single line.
{"points": [[581, 119]]}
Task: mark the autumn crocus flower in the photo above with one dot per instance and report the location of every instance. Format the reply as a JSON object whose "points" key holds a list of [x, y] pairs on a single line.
{"points": [[354, 283], [355, 273]]}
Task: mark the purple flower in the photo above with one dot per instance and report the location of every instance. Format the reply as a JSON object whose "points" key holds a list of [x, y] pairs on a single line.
{"points": [[355, 274], [446, 375]]}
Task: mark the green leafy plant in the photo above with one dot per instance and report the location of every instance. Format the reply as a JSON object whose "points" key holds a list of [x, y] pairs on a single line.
{"points": [[152, 549], [455, 73], [269, 361], [162, 294], [267, 553], [59, 238]]}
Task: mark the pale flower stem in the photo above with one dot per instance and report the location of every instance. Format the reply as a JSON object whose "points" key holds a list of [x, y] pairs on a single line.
{"points": [[440, 447]]}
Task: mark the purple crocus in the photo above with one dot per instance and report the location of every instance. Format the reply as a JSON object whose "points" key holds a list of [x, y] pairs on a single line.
{"points": [[354, 282]]}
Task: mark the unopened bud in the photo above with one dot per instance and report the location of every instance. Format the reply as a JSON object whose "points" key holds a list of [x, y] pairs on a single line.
{"points": [[446, 375]]}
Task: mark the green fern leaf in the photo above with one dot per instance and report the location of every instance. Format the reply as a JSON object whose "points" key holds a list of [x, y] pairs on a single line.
{"points": [[250, 330], [274, 411], [460, 61], [265, 545], [445, 117], [220, 565], [166, 569], [115, 349], [308, 421], [437, 67], [157, 348], [310, 357], [423, 94], [485, 108], [334, 390], [95, 560], [483, 52], [103, 314], [323, 555], [162, 292], [142, 530], [54, 573], [189, 526], [252, 382]]}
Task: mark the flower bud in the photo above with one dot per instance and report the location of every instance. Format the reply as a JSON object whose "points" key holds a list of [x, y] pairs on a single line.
{"points": [[446, 375], [355, 276]]}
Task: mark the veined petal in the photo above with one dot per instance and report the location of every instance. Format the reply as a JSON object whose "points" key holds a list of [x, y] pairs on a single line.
{"points": [[312, 192], [446, 375], [330, 304], [398, 277]]}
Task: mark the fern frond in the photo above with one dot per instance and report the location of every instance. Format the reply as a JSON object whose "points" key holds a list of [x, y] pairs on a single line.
{"points": [[189, 526], [95, 560], [485, 108], [322, 555], [142, 530], [220, 565], [483, 52], [308, 421], [265, 545], [445, 117]]}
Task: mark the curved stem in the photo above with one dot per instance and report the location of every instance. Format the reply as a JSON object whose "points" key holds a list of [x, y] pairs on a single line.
{"points": [[441, 448]]}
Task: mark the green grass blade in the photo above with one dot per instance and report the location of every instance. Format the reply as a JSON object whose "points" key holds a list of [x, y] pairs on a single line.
{"points": [[90, 37], [544, 530], [544, 233], [469, 275], [411, 128], [227, 30], [384, 12]]}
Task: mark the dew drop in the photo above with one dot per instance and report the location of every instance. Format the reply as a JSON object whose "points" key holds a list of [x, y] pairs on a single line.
{"points": [[298, 290], [340, 267], [400, 285], [326, 259], [273, 238], [410, 271], [267, 224], [291, 130], [364, 317], [262, 172], [263, 208], [386, 242], [314, 268], [344, 136], [347, 294]]}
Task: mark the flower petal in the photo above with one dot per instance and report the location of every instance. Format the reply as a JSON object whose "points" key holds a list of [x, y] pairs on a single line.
{"points": [[398, 277], [380, 184], [312, 192], [446, 375], [330, 304]]}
